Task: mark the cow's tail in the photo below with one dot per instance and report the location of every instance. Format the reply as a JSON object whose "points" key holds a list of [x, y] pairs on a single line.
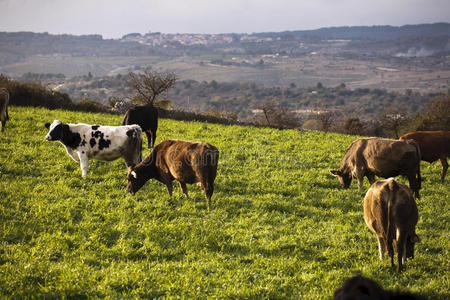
{"points": [[125, 118], [135, 140], [391, 191], [419, 157]]}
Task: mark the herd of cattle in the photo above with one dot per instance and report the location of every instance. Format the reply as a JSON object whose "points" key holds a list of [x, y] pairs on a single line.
{"points": [[390, 210]]}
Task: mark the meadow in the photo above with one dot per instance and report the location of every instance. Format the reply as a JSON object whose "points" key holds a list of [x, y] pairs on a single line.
{"points": [[280, 226]]}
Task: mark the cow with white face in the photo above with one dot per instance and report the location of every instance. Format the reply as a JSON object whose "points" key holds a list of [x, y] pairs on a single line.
{"points": [[83, 141]]}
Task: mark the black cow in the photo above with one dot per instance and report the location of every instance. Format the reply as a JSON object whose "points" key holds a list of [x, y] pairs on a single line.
{"points": [[360, 287], [145, 116]]}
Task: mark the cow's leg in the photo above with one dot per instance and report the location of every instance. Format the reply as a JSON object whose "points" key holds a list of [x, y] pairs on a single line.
{"points": [[83, 164], [184, 189], [74, 155], [360, 179], [401, 252], [390, 250], [3, 118], [131, 159], [209, 189], [169, 188], [444, 167], [148, 133], [414, 185], [381, 246], [7, 114], [371, 178], [153, 138]]}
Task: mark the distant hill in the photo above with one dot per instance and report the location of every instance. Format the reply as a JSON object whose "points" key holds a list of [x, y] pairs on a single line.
{"points": [[369, 32], [17, 46]]}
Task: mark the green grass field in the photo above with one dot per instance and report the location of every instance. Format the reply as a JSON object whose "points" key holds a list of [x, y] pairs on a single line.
{"points": [[280, 227]]}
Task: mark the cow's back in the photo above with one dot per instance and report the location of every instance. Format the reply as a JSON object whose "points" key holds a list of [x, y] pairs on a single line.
{"points": [[388, 158], [433, 144], [144, 116], [389, 205], [106, 142], [187, 161]]}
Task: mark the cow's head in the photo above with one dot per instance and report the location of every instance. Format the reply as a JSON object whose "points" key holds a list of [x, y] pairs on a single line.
{"points": [[410, 242], [344, 178], [55, 131], [135, 180]]}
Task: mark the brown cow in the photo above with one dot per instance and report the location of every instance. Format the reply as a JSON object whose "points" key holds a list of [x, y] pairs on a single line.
{"points": [[391, 213], [184, 161], [433, 145], [381, 157], [4, 101]]}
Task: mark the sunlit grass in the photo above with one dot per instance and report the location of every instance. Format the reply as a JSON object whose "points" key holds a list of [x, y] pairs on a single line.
{"points": [[279, 227]]}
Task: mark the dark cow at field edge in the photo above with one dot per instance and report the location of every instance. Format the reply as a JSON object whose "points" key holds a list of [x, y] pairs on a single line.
{"points": [[433, 145], [381, 157], [185, 161], [4, 101], [83, 141], [145, 116], [360, 287], [391, 213]]}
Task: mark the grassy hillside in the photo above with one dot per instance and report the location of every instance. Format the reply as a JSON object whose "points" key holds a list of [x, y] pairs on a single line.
{"points": [[279, 227]]}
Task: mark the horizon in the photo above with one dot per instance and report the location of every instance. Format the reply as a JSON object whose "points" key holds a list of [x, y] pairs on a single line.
{"points": [[225, 33], [114, 19]]}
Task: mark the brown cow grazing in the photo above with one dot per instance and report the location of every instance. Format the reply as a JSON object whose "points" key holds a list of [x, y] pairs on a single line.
{"points": [[433, 145], [391, 213], [360, 287], [4, 101], [184, 161], [381, 157]]}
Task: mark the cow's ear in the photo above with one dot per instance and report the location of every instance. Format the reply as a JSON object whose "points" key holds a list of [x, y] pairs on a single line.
{"points": [[416, 239], [47, 125], [336, 172]]}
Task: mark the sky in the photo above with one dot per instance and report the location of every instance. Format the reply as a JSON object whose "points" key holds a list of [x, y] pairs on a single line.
{"points": [[114, 18]]}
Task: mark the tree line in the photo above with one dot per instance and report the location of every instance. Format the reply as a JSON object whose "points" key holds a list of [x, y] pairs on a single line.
{"points": [[152, 87]]}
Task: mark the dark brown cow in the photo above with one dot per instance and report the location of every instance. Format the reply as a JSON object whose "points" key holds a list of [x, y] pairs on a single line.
{"points": [[391, 213], [433, 145], [4, 101], [184, 161], [381, 157], [360, 287]]}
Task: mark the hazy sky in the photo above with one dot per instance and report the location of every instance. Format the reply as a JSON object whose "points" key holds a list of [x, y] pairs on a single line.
{"points": [[113, 19]]}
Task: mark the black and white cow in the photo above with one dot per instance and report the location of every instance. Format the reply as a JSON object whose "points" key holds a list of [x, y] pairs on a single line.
{"points": [[84, 141]]}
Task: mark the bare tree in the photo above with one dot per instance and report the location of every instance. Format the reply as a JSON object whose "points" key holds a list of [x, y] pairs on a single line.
{"points": [[437, 116], [326, 119], [277, 116], [353, 126], [392, 120], [150, 84]]}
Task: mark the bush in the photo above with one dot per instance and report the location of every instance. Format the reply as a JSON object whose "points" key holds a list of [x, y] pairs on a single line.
{"points": [[35, 94], [90, 106], [437, 116]]}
